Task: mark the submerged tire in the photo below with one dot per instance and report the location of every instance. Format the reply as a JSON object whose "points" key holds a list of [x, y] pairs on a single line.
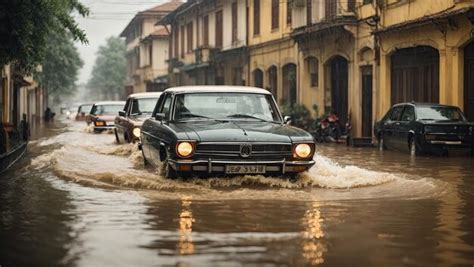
{"points": [[382, 143], [116, 136], [414, 148], [168, 172]]}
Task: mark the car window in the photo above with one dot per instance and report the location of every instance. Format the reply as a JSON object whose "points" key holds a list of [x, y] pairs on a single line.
{"points": [[440, 113], [395, 115], [166, 106], [408, 114], [127, 105]]}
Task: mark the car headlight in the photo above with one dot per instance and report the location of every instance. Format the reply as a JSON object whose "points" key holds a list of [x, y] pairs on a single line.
{"points": [[302, 151], [99, 123], [136, 132], [185, 149]]}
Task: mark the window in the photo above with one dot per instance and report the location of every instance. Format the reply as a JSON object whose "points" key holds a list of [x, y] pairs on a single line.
{"points": [[273, 81], [365, 2], [256, 17], [309, 12], [258, 78], [150, 54], [189, 37], [182, 41], [219, 29], [408, 114], [331, 9], [395, 115], [313, 71], [351, 5], [234, 22], [176, 42], [289, 12], [166, 106], [205, 34], [275, 14]]}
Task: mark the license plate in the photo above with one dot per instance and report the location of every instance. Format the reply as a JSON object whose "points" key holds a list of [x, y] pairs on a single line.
{"points": [[244, 169]]}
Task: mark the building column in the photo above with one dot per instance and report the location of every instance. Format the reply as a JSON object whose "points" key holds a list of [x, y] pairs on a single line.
{"points": [[383, 94]]}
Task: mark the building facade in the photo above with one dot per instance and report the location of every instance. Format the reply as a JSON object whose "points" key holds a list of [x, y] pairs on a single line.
{"points": [[355, 58], [426, 53], [147, 49], [208, 43]]}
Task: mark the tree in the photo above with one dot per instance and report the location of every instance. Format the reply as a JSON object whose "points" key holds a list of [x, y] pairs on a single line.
{"points": [[25, 26], [109, 71], [60, 66]]}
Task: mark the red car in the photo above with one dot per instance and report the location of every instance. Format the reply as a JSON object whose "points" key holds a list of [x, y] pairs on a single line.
{"points": [[102, 115], [138, 108]]}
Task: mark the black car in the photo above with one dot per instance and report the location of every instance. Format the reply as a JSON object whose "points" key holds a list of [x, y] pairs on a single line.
{"points": [[421, 127], [229, 130]]}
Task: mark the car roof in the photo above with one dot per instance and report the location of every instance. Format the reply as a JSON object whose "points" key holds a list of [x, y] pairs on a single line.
{"points": [[145, 95], [218, 88], [103, 103], [424, 104], [85, 104]]}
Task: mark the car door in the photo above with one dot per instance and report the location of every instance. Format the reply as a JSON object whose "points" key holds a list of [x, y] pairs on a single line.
{"points": [[153, 131], [405, 126], [390, 130], [121, 121]]}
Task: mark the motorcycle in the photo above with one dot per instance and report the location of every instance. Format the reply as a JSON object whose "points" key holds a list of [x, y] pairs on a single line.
{"points": [[328, 129]]}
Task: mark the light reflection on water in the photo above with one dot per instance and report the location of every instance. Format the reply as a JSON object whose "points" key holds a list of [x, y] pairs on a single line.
{"points": [[186, 220]]}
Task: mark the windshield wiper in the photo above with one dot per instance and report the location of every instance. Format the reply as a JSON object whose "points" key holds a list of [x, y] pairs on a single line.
{"points": [[246, 116]]}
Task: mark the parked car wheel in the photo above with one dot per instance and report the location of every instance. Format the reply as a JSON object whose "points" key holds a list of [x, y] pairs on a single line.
{"points": [[414, 148], [116, 136], [381, 143]]}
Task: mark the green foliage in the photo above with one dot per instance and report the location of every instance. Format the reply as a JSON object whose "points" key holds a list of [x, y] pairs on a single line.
{"points": [[25, 26], [109, 72], [300, 115], [61, 65]]}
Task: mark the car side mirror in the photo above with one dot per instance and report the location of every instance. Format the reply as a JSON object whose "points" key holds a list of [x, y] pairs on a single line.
{"points": [[287, 119], [160, 116], [121, 113]]}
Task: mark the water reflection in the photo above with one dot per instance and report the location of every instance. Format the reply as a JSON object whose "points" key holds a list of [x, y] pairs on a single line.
{"points": [[313, 247], [186, 220]]}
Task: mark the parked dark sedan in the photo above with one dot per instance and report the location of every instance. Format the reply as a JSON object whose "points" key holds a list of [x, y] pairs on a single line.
{"points": [[423, 128], [206, 130], [138, 108]]}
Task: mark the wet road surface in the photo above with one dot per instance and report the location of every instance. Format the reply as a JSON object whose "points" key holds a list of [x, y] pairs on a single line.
{"points": [[78, 199]]}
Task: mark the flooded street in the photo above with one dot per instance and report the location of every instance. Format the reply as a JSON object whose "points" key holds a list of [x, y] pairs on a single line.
{"points": [[79, 199]]}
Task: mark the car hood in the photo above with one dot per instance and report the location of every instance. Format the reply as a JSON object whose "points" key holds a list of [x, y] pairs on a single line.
{"points": [[239, 131]]}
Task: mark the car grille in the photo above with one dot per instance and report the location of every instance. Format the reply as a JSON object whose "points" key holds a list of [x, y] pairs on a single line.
{"points": [[232, 151]]}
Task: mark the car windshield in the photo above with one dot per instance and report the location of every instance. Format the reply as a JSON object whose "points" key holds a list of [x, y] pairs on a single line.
{"points": [[439, 113], [106, 109], [143, 105], [226, 106], [84, 108]]}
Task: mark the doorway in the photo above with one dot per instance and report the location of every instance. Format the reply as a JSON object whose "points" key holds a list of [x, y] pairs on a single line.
{"points": [[289, 83], [469, 81], [366, 72], [339, 87]]}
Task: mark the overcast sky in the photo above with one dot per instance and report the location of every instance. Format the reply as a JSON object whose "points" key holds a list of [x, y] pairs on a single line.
{"points": [[108, 18]]}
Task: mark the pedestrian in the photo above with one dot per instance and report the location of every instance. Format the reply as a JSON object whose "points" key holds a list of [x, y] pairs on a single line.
{"points": [[24, 128]]}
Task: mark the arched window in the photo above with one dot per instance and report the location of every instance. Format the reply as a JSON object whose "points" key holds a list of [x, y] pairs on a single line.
{"points": [[313, 71], [258, 78], [273, 81]]}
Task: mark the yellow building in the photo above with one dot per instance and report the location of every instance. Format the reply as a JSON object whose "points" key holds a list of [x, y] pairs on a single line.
{"points": [[336, 59], [273, 61], [426, 53], [147, 49]]}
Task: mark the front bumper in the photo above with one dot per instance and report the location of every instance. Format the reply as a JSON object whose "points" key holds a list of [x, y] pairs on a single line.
{"points": [[103, 128], [219, 166]]}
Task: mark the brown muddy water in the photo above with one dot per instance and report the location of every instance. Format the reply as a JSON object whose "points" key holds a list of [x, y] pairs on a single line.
{"points": [[78, 199]]}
